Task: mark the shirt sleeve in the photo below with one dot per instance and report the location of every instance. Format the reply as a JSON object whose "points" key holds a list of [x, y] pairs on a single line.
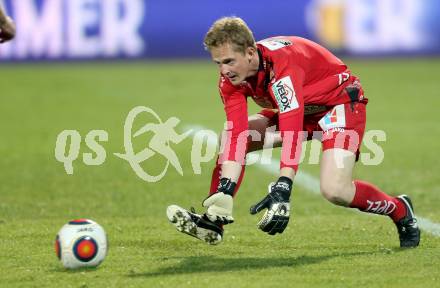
{"points": [[235, 137], [287, 90]]}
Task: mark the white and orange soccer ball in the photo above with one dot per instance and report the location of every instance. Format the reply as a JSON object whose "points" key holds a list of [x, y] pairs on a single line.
{"points": [[81, 243]]}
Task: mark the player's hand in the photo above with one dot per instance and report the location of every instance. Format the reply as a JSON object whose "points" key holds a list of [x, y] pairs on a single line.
{"points": [[277, 203], [219, 205], [7, 30]]}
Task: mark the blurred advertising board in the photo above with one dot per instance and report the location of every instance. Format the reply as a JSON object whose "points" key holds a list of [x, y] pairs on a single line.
{"points": [[107, 29]]}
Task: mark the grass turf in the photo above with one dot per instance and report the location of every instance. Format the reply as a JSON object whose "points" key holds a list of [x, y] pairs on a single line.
{"points": [[324, 246]]}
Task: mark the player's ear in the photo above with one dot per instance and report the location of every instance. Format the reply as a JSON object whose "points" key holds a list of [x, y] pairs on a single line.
{"points": [[250, 52]]}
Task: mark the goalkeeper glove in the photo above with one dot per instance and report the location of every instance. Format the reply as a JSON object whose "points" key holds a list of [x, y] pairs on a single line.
{"points": [[277, 202], [220, 203]]}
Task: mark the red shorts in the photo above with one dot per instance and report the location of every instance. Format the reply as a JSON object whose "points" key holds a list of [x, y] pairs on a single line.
{"points": [[341, 126]]}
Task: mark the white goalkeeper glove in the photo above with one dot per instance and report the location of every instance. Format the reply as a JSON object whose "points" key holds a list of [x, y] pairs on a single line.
{"points": [[219, 205]]}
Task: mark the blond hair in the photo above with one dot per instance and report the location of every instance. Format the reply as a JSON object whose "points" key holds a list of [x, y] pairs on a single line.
{"points": [[231, 30]]}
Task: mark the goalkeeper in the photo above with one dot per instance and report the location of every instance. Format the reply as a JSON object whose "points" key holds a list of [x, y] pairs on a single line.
{"points": [[302, 88]]}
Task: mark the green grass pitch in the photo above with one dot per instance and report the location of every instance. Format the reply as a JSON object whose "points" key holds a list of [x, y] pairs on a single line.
{"points": [[324, 245]]}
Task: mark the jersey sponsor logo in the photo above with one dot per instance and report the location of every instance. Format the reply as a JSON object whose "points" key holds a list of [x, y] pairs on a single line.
{"points": [[285, 95], [275, 44], [333, 119]]}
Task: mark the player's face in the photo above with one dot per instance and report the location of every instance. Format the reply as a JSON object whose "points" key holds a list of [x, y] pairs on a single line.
{"points": [[233, 65]]}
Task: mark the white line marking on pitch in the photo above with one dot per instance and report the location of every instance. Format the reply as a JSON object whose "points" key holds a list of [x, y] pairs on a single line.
{"points": [[311, 183]]}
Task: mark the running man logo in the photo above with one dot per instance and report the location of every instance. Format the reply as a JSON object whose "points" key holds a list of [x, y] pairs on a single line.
{"points": [[285, 95], [164, 133]]}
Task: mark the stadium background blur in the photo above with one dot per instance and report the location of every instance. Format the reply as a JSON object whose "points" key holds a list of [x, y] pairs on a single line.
{"points": [[83, 64]]}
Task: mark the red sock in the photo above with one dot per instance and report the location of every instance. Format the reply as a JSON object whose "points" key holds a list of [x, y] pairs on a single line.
{"points": [[370, 199], [215, 178]]}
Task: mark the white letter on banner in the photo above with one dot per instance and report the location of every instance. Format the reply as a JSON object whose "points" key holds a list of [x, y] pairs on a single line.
{"points": [[359, 36], [120, 30], [38, 33], [383, 26], [82, 15], [397, 22]]}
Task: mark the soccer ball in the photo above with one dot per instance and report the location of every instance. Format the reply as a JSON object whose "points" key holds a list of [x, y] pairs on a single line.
{"points": [[81, 243]]}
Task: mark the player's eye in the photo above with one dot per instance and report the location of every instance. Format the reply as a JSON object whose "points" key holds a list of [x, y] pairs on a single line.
{"points": [[228, 61]]}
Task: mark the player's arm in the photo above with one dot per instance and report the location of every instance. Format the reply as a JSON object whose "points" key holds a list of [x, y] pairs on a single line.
{"points": [[232, 157], [235, 140], [231, 170], [287, 92], [7, 27]]}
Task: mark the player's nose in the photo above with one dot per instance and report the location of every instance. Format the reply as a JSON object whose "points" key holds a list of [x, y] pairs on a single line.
{"points": [[224, 70]]}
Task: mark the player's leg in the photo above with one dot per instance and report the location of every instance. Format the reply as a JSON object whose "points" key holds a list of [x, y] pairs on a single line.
{"points": [[260, 124], [337, 183], [336, 176], [338, 187]]}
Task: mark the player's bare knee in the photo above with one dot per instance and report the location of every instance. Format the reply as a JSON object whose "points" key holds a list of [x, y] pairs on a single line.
{"points": [[334, 192]]}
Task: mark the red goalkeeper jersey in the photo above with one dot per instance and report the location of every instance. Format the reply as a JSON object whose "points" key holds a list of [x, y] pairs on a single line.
{"points": [[295, 75]]}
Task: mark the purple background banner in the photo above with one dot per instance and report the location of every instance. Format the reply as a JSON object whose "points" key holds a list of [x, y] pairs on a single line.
{"points": [[102, 29]]}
